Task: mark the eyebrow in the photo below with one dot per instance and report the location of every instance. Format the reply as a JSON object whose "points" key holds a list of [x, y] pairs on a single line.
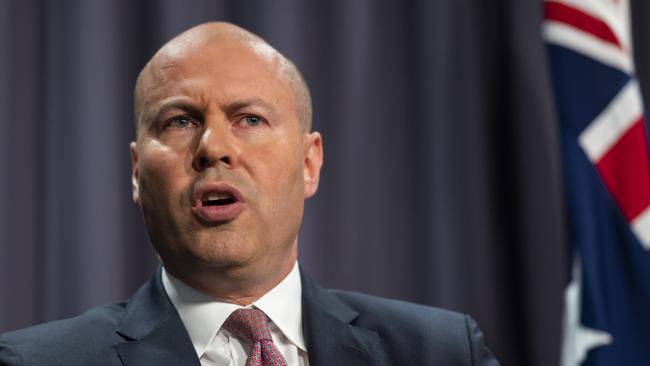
{"points": [[236, 105], [154, 115], [229, 108]]}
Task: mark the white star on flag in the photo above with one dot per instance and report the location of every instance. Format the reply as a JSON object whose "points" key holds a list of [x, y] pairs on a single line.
{"points": [[578, 339]]}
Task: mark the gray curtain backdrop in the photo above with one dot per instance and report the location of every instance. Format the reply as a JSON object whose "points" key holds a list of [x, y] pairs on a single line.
{"points": [[441, 184]]}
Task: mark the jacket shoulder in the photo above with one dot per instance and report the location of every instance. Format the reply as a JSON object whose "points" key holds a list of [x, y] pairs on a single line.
{"points": [[396, 315], [419, 333], [77, 340]]}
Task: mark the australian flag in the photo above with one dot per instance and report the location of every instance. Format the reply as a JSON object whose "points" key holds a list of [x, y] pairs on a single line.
{"points": [[607, 177]]}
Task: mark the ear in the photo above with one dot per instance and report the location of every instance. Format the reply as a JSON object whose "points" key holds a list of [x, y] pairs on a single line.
{"points": [[134, 172], [313, 153]]}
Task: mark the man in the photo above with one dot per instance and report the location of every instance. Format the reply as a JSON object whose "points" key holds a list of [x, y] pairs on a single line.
{"points": [[223, 160]]}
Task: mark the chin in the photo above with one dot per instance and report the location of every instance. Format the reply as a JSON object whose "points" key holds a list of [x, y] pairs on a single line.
{"points": [[221, 252]]}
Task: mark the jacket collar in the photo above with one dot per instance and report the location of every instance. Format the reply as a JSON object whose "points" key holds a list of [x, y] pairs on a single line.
{"points": [[155, 335], [332, 338], [153, 331]]}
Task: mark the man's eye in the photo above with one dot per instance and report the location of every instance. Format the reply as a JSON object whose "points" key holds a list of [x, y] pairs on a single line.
{"points": [[179, 122], [252, 120]]}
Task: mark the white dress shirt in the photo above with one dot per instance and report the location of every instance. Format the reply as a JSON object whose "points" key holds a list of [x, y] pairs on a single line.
{"points": [[203, 317]]}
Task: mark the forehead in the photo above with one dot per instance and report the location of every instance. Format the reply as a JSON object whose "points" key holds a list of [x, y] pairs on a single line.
{"points": [[217, 71]]}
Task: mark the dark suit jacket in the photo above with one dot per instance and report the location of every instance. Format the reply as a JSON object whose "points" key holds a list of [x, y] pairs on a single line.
{"points": [[341, 328]]}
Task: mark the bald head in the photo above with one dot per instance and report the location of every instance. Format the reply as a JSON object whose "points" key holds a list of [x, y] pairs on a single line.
{"points": [[193, 43]]}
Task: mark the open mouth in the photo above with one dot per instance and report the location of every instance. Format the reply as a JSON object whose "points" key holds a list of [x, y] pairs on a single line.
{"points": [[217, 203], [217, 199]]}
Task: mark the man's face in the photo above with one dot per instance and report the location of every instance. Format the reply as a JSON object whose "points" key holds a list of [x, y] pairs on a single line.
{"points": [[222, 166]]}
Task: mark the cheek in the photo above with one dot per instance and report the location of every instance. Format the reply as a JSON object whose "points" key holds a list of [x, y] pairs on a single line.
{"points": [[284, 178], [281, 160], [161, 170]]}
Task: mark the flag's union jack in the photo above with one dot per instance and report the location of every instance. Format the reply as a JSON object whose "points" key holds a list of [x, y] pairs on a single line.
{"points": [[607, 174]]}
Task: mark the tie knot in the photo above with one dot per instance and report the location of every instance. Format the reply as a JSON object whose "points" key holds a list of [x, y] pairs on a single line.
{"points": [[248, 324]]}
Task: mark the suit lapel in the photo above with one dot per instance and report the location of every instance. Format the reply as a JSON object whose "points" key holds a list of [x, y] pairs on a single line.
{"points": [[154, 333], [331, 337]]}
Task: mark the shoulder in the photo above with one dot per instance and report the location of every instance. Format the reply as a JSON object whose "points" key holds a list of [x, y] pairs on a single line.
{"points": [[66, 341], [419, 332], [397, 315], [404, 310]]}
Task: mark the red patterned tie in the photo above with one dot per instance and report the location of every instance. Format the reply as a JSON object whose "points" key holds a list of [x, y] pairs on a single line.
{"points": [[251, 325]]}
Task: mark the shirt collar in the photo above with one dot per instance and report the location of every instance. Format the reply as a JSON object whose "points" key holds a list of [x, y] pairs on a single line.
{"points": [[203, 315], [283, 305]]}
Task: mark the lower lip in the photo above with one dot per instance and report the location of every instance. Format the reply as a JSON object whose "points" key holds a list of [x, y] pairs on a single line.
{"points": [[218, 214]]}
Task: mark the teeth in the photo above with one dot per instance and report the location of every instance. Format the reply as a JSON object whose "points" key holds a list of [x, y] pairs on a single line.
{"points": [[214, 196]]}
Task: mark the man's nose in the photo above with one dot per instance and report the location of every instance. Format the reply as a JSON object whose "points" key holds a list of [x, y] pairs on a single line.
{"points": [[214, 147]]}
